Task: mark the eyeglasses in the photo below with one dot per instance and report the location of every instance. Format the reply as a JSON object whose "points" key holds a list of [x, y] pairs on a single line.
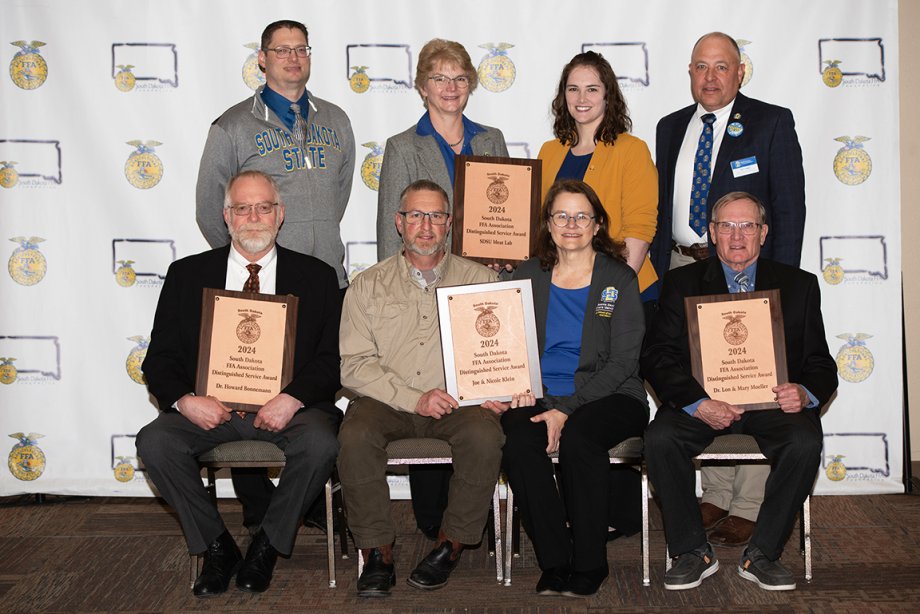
{"points": [[303, 51], [438, 218], [462, 82], [562, 218], [261, 208], [747, 228]]}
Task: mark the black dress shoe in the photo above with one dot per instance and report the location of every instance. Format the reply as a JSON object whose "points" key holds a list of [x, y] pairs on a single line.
{"points": [[585, 583], [256, 572], [434, 570], [378, 576], [554, 580], [221, 560]]}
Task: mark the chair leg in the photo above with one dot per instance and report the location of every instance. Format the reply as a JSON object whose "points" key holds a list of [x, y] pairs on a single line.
{"points": [[194, 564], [805, 523], [330, 539], [509, 532], [212, 484], [646, 580], [496, 531]]}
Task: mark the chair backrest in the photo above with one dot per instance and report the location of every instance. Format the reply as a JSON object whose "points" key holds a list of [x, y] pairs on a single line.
{"points": [[732, 447], [418, 451]]}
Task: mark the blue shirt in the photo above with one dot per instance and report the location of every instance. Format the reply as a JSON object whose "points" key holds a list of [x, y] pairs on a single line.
{"points": [[565, 316], [281, 106], [426, 128], [574, 167]]}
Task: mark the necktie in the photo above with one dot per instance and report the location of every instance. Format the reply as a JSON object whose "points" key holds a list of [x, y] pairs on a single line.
{"points": [[701, 177], [252, 284], [299, 131], [743, 281]]}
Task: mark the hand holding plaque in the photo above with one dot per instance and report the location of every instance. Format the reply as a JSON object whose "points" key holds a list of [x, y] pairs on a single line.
{"points": [[738, 347], [489, 341], [246, 347], [496, 206]]}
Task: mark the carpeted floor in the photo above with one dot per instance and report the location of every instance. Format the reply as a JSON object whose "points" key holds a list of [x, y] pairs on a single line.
{"points": [[128, 555]]}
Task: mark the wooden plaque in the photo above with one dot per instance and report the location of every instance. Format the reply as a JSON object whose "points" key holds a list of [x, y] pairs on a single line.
{"points": [[246, 347], [738, 346], [489, 341], [496, 209]]}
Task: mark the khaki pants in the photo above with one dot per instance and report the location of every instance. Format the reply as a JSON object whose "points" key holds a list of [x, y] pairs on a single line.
{"points": [[475, 437]]}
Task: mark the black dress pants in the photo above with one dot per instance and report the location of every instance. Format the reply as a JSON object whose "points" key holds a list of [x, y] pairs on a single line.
{"points": [[588, 434]]}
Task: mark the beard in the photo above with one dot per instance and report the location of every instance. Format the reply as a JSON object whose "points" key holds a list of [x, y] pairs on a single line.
{"points": [[254, 238], [431, 250]]}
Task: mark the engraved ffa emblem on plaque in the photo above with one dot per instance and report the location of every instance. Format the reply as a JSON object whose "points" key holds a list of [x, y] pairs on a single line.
{"points": [[735, 332], [487, 323], [248, 330], [497, 192]]}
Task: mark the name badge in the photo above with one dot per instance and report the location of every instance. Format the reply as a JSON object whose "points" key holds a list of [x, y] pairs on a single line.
{"points": [[744, 166]]}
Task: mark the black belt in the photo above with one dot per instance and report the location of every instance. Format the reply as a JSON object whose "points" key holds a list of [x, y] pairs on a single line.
{"points": [[697, 251]]}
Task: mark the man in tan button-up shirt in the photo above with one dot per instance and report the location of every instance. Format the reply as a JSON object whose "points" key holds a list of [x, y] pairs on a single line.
{"points": [[391, 356]]}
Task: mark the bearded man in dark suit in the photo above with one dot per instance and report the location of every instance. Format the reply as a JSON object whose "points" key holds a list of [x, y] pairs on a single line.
{"points": [[301, 419]]}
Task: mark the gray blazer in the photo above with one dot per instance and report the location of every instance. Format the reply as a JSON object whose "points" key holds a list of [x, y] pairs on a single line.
{"points": [[409, 157], [611, 335]]}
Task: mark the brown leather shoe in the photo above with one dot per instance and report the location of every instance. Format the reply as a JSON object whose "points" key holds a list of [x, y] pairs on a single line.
{"points": [[731, 532], [712, 514]]}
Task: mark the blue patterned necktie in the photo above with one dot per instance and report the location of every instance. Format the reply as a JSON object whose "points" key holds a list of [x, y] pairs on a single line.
{"points": [[743, 281], [701, 177], [299, 129]]}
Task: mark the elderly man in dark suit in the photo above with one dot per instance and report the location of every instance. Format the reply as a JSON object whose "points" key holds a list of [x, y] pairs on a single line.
{"points": [[688, 419], [301, 419], [723, 143]]}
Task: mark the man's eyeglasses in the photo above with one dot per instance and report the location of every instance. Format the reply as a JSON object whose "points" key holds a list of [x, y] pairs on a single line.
{"points": [[438, 218], [747, 228], [562, 218], [303, 51], [462, 82], [261, 208]]}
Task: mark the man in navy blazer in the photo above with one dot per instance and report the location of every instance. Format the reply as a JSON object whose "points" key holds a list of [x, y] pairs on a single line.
{"points": [[301, 419], [755, 149], [688, 419]]}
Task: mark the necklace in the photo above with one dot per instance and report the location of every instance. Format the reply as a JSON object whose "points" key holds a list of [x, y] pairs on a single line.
{"points": [[452, 145]]}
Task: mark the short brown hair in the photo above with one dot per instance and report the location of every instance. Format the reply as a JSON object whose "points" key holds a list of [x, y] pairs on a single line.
{"points": [[439, 50], [616, 114], [602, 242], [424, 185], [274, 26]]}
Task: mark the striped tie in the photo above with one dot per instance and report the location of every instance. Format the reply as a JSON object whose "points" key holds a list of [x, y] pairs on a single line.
{"points": [[299, 131], [743, 281]]}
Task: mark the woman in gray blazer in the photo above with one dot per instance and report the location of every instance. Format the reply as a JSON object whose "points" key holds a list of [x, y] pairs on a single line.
{"points": [[445, 78], [590, 327]]}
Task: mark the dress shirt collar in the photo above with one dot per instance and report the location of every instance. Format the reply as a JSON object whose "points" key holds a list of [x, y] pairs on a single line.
{"points": [[281, 106]]}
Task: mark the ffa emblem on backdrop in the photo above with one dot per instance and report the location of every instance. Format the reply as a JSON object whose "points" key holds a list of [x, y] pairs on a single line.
{"points": [[854, 360], [143, 169], [852, 164], [136, 358], [359, 82], [836, 470], [746, 60], [8, 372], [252, 74], [8, 175], [370, 168], [832, 75], [124, 78], [833, 272], [124, 470], [27, 265], [26, 460], [125, 276], [28, 68], [496, 70]]}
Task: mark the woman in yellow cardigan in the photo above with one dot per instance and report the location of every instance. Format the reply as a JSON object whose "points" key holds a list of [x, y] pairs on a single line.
{"points": [[593, 145]]}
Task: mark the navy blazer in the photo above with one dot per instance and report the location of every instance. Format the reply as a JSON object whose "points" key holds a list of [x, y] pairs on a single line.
{"points": [[665, 358], [769, 134], [171, 364]]}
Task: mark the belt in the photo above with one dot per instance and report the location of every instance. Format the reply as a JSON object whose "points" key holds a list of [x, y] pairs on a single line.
{"points": [[697, 251]]}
